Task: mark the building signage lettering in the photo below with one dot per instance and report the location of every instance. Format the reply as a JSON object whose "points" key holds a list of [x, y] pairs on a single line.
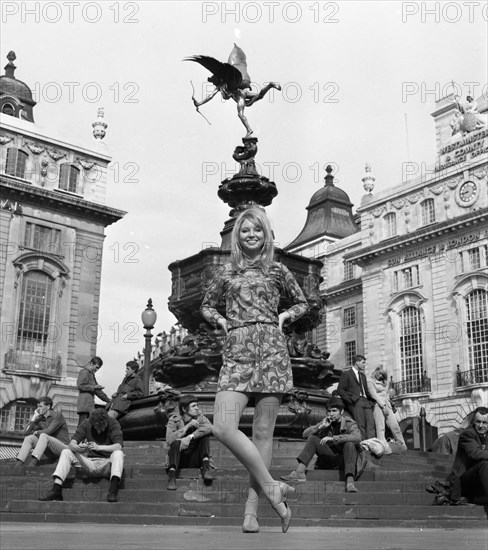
{"points": [[459, 241], [433, 249], [465, 149]]}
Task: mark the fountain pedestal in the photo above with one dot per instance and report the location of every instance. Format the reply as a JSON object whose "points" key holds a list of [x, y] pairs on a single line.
{"points": [[193, 366]]}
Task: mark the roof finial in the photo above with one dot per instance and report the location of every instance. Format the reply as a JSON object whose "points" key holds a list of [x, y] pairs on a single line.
{"points": [[368, 180], [10, 67], [329, 178], [99, 126]]}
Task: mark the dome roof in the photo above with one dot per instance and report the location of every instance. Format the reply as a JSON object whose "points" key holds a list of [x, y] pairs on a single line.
{"points": [[329, 193], [329, 215], [15, 96], [13, 87]]}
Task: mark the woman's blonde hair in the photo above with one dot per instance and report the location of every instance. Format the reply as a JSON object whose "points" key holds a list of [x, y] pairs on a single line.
{"points": [[380, 373], [256, 216]]}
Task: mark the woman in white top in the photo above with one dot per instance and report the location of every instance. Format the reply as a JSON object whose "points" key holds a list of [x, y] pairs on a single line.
{"points": [[378, 388]]}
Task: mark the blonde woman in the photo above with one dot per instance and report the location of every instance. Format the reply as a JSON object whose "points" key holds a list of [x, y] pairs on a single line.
{"points": [[383, 412], [256, 364]]}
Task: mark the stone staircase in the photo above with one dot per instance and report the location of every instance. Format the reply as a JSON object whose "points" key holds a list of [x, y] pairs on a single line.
{"points": [[391, 493]]}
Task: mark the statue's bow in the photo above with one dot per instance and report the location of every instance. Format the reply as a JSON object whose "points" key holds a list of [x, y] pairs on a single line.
{"points": [[195, 103]]}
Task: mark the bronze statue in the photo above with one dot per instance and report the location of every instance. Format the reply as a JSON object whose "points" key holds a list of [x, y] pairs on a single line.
{"points": [[232, 80]]}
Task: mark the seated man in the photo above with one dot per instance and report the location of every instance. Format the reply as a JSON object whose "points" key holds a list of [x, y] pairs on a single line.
{"points": [[130, 388], [335, 440], [95, 448], [47, 430], [469, 475], [188, 435]]}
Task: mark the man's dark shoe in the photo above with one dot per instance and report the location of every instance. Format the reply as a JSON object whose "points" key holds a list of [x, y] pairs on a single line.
{"points": [[206, 474], [56, 493], [171, 481], [33, 462], [113, 489]]}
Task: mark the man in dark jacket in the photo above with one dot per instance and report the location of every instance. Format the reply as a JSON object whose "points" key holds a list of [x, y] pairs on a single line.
{"points": [[469, 475], [335, 440], [95, 448], [89, 387], [47, 430], [353, 389], [188, 437], [131, 388]]}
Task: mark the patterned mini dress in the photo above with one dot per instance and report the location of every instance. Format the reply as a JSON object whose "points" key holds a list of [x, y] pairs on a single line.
{"points": [[255, 357]]}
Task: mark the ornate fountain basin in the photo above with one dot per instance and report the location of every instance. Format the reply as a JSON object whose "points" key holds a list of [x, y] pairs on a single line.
{"points": [[192, 276]]}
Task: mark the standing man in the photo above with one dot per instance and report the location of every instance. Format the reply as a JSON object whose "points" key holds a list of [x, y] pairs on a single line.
{"points": [[47, 429], [130, 388], [469, 475], [353, 389], [95, 448], [89, 387], [188, 435], [335, 440]]}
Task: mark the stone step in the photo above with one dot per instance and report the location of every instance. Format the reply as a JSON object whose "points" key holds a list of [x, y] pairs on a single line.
{"points": [[195, 491], [391, 492], [210, 509], [10, 486], [154, 472], [285, 448], [188, 519]]}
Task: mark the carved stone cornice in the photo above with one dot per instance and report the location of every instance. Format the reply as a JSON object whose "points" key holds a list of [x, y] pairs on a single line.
{"points": [[396, 244], [58, 201], [33, 147], [56, 154], [341, 290], [5, 138], [86, 164]]}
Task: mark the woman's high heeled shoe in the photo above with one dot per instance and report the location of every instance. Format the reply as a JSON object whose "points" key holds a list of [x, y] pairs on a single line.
{"points": [[285, 489], [250, 524]]}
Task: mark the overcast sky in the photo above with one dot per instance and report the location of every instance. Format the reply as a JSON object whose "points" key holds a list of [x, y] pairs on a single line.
{"points": [[352, 73]]}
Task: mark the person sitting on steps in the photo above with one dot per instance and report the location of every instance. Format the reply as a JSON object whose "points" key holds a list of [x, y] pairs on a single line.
{"points": [[335, 440], [46, 431], [95, 448], [188, 437]]}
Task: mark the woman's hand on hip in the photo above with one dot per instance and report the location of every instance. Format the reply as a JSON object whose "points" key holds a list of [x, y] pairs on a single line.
{"points": [[282, 317]]}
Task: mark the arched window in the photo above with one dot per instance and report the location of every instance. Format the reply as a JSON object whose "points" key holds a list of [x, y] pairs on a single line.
{"points": [[68, 178], [390, 225], [477, 332], [34, 314], [411, 349], [8, 109], [428, 211], [16, 162]]}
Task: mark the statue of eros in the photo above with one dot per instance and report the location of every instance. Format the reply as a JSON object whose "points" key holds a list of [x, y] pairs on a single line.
{"points": [[232, 80]]}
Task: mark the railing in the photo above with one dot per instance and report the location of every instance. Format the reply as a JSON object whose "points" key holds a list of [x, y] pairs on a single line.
{"points": [[32, 363], [470, 377], [419, 385]]}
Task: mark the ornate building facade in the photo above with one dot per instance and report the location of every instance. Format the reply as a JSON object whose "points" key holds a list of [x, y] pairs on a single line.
{"points": [[409, 289], [52, 222]]}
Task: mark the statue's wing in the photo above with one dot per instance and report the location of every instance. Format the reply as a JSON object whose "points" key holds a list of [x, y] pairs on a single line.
{"points": [[237, 59], [223, 73]]}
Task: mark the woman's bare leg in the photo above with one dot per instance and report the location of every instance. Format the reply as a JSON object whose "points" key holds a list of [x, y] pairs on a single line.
{"points": [[265, 413], [229, 406]]}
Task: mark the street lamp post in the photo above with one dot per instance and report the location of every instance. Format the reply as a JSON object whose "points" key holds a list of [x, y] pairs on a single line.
{"points": [[148, 317]]}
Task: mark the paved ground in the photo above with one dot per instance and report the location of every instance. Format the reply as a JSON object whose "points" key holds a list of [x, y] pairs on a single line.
{"points": [[45, 536]]}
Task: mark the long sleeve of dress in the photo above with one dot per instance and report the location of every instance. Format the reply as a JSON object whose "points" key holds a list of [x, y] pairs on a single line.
{"points": [[294, 291], [250, 296], [214, 296]]}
